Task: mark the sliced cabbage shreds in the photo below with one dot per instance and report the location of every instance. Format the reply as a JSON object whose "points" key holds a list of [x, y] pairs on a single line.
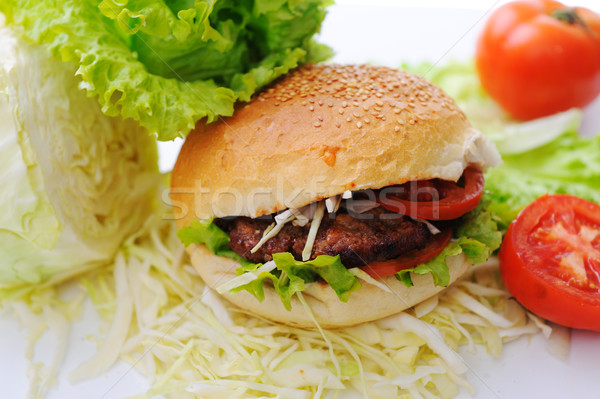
{"points": [[190, 342]]}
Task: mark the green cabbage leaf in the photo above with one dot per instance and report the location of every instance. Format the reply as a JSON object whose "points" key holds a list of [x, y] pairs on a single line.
{"points": [[169, 64]]}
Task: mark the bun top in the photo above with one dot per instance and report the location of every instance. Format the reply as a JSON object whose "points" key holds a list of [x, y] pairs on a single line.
{"points": [[319, 131]]}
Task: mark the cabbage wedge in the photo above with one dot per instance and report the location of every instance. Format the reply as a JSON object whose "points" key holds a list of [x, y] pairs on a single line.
{"points": [[73, 182]]}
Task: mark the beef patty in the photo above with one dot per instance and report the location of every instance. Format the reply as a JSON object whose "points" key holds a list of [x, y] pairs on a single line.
{"points": [[375, 235]]}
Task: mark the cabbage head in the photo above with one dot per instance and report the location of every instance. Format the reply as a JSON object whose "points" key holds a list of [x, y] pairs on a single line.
{"points": [[73, 181]]}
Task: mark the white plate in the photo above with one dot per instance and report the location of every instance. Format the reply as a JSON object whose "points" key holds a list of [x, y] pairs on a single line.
{"points": [[383, 32]]}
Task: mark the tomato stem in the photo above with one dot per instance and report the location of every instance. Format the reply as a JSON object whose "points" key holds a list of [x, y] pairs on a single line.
{"points": [[570, 16]]}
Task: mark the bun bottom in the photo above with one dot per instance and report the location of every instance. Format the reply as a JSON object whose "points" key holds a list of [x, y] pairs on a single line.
{"points": [[366, 304]]}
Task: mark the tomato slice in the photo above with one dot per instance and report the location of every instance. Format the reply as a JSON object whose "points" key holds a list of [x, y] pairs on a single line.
{"points": [[550, 260], [436, 199], [412, 258]]}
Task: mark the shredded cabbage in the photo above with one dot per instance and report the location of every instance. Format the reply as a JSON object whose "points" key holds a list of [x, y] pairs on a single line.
{"points": [[188, 341]]}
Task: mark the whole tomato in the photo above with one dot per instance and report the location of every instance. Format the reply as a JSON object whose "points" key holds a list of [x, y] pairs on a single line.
{"points": [[539, 57]]}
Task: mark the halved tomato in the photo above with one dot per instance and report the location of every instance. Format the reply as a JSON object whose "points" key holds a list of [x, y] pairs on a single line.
{"points": [[412, 258], [550, 260], [436, 199]]}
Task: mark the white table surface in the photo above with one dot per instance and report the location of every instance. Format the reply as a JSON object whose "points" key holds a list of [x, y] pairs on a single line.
{"points": [[383, 32]]}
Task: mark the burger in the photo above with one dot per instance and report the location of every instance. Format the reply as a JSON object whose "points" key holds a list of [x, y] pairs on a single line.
{"points": [[339, 195]]}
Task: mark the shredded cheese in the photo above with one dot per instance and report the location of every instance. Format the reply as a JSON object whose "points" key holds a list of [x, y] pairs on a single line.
{"points": [[361, 274], [245, 278], [312, 233], [271, 233], [333, 203]]}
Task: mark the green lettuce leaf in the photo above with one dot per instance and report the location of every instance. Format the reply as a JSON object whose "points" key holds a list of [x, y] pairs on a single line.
{"points": [[169, 64], [477, 237], [75, 182], [568, 165], [291, 275], [207, 233]]}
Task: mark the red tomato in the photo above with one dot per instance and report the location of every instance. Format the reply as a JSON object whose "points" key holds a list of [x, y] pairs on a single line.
{"points": [[550, 260], [436, 199], [539, 57], [410, 259]]}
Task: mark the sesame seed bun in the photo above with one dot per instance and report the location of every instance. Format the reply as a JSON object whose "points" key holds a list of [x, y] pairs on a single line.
{"points": [[322, 130]]}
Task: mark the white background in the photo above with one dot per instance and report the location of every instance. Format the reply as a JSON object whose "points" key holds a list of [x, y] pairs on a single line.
{"points": [[383, 32]]}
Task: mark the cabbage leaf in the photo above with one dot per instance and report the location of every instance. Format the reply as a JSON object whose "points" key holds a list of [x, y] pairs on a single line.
{"points": [[74, 181], [169, 64]]}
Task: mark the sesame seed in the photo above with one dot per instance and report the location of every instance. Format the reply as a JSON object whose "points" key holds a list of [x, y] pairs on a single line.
{"points": [[397, 129], [379, 103], [317, 124], [356, 114], [359, 125], [311, 108], [348, 119], [367, 120], [341, 111], [344, 104]]}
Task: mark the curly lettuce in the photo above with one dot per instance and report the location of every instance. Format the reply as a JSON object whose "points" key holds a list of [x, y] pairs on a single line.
{"points": [[168, 65], [569, 164], [477, 237]]}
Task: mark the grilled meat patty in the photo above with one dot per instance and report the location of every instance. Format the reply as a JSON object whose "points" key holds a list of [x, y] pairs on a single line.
{"points": [[373, 235]]}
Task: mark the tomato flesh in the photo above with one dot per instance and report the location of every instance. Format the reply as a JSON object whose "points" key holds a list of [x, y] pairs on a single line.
{"points": [[436, 199], [550, 260], [410, 259]]}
